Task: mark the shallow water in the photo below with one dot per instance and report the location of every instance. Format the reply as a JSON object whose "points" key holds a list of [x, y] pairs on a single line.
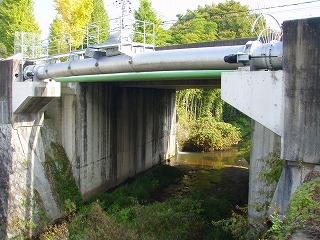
{"points": [[216, 159], [221, 175]]}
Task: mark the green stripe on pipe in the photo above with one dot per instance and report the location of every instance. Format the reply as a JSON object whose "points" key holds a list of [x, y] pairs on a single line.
{"points": [[146, 76]]}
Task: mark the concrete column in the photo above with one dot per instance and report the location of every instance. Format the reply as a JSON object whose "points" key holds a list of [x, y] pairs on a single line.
{"points": [[301, 135], [301, 129], [264, 144]]}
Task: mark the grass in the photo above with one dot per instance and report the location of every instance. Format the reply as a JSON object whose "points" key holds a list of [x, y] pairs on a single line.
{"points": [[131, 212]]}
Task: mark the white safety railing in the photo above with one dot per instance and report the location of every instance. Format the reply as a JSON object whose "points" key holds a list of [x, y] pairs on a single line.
{"points": [[124, 33]]}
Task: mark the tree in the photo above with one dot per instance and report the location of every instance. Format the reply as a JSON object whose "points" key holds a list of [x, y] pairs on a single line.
{"points": [[3, 50], [74, 16], [16, 15], [194, 30], [227, 20], [99, 23], [146, 13], [57, 44], [233, 19]]}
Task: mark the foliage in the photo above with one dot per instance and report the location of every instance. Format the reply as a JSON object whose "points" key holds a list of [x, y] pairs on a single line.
{"points": [[148, 14], [56, 42], [238, 225], [188, 103], [207, 134], [73, 15], [58, 170], [228, 20], [196, 29], [3, 51], [100, 17], [55, 232], [130, 212], [233, 19], [303, 214], [198, 109], [140, 189], [93, 223], [244, 148], [31, 224], [272, 168], [173, 219], [16, 15]]}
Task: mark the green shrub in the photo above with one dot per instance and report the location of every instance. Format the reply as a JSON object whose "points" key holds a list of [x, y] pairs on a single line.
{"points": [[207, 134], [303, 214]]}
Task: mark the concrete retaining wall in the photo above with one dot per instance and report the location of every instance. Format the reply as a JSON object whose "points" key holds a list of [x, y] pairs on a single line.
{"points": [[22, 179], [112, 133]]}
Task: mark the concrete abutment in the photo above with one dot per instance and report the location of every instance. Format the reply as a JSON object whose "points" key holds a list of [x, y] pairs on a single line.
{"points": [[109, 134], [113, 133], [285, 107]]}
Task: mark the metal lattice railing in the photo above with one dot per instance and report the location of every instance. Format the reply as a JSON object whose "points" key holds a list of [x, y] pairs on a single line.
{"points": [[124, 33]]}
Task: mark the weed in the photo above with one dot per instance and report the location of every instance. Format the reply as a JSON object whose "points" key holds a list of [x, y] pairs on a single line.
{"points": [[303, 214], [58, 171]]}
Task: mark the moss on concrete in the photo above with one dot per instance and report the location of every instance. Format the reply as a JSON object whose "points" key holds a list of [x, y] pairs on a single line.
{"points": [[58, 170]]}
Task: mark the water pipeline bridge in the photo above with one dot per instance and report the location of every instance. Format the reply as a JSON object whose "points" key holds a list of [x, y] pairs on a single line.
{"points": [[113, 111]]}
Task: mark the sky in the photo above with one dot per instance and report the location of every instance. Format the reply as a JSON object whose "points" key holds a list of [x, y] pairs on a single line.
{"points": [[168, 9]]}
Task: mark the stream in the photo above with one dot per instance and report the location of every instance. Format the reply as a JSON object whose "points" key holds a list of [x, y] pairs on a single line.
{"points": [[219, 174]]}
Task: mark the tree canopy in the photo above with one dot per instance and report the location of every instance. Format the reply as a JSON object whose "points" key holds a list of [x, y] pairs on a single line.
{"points": [[148, 14], [56, 43], [194, 30], [73, 15], [16, 15], [100, 17], [200, 111], [228, 20], [68, 29]]}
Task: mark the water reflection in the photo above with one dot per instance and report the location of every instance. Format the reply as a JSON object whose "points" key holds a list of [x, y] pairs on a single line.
{"points": [[216, 159]]}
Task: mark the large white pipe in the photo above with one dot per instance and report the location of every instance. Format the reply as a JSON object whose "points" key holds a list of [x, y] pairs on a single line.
{"points": [[255, 54], [210, 58]]}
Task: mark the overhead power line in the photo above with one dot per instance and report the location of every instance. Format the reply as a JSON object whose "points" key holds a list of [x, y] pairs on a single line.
{"points": [[258, 9]]}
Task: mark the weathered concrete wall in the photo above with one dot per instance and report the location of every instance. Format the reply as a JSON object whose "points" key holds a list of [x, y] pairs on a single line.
{"points": [[23, 186], [22, 176], [112, 133], [6, 79], [109, 133], [265, 144], [301, 136], [301, 129]]}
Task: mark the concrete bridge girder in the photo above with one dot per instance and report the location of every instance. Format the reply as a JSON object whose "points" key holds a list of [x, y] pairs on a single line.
{"points": [[257, 94]]}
